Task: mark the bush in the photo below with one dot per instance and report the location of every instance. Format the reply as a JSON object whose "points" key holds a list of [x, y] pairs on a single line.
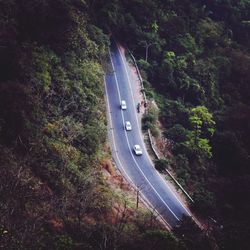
{"points": [[150, 118], [155, 132], [204, 201], [143, 64], [148, 121], [162, 164], [177, 133]]}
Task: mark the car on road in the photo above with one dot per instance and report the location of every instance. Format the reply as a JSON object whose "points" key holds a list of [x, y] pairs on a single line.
{"points": [[137, 149], [128, 126], [123, 105]]}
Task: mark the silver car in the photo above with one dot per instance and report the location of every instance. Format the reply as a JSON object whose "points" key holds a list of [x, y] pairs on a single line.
{"points": [[137, 149], [128, 126], [123, 105]]}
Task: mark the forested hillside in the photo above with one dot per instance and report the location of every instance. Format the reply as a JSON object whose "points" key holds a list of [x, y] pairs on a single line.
{"points": [[52, 126], [58, 188], [53, 194], [195, 60]]}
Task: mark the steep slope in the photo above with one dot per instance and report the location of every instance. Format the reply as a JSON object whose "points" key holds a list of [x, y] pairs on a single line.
{"points": [[54, 193], [194, 57]]}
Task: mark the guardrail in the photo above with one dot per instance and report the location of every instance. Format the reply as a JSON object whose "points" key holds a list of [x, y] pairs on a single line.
{"points": [[152, 144], [134, 187], [172, 177], [149, 133]]}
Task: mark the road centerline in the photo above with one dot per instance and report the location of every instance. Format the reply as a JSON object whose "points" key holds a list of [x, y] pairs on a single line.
{"points": [[145, 177], [130, 88], [119, 161]]}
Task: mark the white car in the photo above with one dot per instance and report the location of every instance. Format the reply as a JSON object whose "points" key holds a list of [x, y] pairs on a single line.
{"points": [[123, 105], [128, 126], [137, 149]]}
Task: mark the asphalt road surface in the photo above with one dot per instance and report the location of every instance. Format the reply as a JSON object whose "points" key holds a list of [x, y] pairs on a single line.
{"points": [[138, 169]]}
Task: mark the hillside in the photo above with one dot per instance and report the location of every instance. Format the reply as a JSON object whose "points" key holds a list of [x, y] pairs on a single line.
{"points": [[58, 188], [195, 59]]}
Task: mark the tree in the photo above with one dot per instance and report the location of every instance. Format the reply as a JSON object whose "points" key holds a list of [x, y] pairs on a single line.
{"points": [[209, 32], [201, 120], [202, 124], [147, 44], [162, 164], [204, 201], [192, 236], [177, 133], [160, 240], [151, 38]]}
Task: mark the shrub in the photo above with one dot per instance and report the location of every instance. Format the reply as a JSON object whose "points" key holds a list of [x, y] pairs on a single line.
{"points": [[150, 118], [162, 164], [155, 132], [204, 201], [177, 133]]}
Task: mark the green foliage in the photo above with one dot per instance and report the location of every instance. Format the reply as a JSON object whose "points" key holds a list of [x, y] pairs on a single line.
{"points": [[199, 146], [195, 54], [155, 132], [155, 27], [187, 44], [209, 32], [52, 123], [183, 170], [201, 118], [198, 57], [157, 239], [203, 201], [162, 164], [42, 60], [149, 119], [143, 65], [192, 236], [202, 123], [100, 39], [177, 133], [169, 57], [174, 111], [64, 242]]}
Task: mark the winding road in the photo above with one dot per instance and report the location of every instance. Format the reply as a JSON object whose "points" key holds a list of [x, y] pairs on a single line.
{"points": [[138, 169]]}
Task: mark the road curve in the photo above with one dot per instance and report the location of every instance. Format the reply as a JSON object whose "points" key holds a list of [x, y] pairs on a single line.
{"points": [[138, 169]]}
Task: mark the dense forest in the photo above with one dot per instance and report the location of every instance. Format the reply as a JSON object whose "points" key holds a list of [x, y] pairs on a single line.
{"points": [[55, 192], [194, 57], [195, 60]]}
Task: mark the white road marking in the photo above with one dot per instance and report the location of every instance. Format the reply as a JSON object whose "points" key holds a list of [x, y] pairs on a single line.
{"points": [[130, 147], [121, 166], [141, 135]]}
